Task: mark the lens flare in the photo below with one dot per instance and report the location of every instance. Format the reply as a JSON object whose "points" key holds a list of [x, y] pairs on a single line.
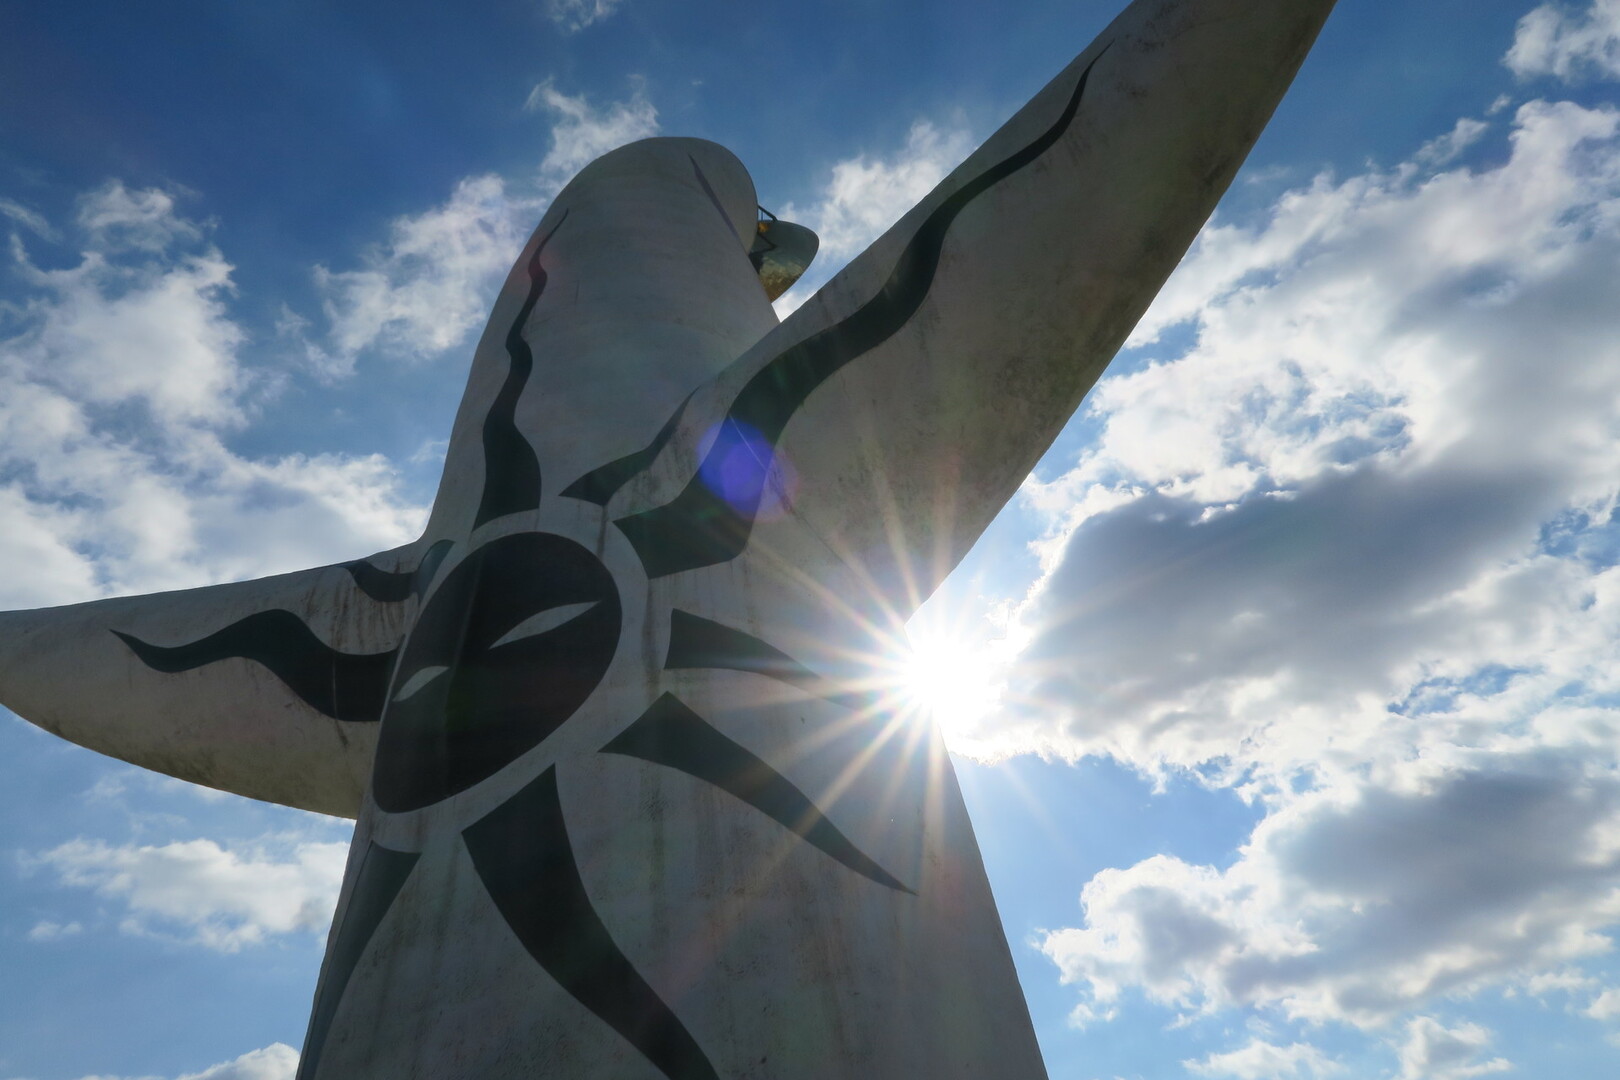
{"points": [[742, 467], [951, 677]]}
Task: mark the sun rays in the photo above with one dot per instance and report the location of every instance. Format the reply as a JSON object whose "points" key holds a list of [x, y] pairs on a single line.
{"points": [[950, 676]]}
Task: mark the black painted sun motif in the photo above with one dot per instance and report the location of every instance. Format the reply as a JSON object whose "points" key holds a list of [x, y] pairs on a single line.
{"points": [[517, 635]]}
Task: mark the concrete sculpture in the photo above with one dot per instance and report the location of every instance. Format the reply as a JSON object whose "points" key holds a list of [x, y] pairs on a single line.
{"points": [[632, 800]]}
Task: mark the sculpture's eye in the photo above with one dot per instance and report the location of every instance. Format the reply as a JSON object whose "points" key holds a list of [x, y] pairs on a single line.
{"points": [[419, 680], [542, 621]]}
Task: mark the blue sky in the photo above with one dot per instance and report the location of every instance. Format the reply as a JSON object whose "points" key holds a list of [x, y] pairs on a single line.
{"points": [[1283, 691]]}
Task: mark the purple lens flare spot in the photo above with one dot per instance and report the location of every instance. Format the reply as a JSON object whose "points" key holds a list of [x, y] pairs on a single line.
{"points": [[741, 467]]}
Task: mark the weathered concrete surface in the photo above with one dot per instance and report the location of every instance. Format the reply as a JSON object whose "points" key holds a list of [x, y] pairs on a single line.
{"points": [[639, 803], [231, 725]]}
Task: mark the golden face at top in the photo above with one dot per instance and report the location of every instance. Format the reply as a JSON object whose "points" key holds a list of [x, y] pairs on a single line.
{"points": [[782, 252]]}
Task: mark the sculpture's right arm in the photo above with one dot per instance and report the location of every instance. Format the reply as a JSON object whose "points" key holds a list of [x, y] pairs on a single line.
{"points": [[269, 688], [915, 391]]}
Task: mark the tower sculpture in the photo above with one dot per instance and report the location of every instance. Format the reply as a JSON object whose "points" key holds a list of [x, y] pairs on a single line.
{"points": [[633, 798]]}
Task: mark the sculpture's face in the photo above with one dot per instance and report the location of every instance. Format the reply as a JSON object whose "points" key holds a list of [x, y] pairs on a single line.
{"points": [[510, 645]]}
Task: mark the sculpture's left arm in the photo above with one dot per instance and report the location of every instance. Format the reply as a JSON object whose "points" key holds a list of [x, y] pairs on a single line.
{"points": [[891, 416], [269, 688]]}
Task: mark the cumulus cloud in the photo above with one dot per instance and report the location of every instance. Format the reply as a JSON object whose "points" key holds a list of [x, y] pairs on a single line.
{"points": [[1261, 1060], [1348, 540], [428, 286], [1606, 1006], [278, 1061], [576, 15], [120, 376], [1360, 903], [1380, 475], [149, 330], [210, 895], [1435, 1052], [1553, 40]]}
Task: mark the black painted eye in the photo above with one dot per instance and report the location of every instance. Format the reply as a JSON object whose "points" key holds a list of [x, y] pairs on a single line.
{"points": [[417, 681], [514, 641], [542, 622]]}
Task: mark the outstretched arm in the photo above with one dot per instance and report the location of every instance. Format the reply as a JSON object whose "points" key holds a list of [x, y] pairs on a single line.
{"points": [[912, 394], [269, 688]]}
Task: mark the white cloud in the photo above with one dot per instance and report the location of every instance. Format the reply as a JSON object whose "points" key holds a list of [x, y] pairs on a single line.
{"points": [[1338, 504], [429, 285], [1435, 1052], [1567, 980], [54, 931], [1606, 1006], [1347, 541], [219, 898], [864, 195], [44, 538], [1364, 902], [146, 219], [1446, 148], [582, 132], [28, 219], [427, 288], [152, 330], [278, 1061], [1552, 40], [1261, 1060], [119, 377], [576, 15]]}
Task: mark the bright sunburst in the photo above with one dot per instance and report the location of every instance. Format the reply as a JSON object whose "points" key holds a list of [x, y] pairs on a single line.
{"points": [[950, 675]]}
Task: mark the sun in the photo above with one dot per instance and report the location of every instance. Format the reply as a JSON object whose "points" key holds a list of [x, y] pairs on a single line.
{"points": [[950, 675]]}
